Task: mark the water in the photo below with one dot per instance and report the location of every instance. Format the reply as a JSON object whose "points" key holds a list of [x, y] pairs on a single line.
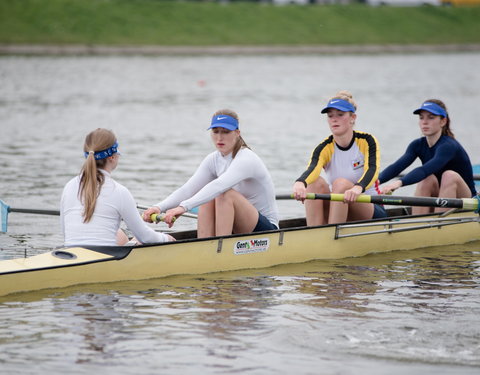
{"points": [[394, 313]]}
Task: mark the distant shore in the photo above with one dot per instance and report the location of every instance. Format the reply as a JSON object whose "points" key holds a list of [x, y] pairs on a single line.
{"points": [[59, 50], [203, 27]]}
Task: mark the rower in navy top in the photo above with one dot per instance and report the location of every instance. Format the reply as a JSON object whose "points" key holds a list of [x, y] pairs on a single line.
{"points": [[446, 169]]}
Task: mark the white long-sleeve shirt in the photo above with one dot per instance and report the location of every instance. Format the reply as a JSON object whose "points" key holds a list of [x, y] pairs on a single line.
{"points": [[114, 203], [245, 173]]}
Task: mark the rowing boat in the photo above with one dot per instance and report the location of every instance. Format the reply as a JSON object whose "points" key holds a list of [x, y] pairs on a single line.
{"points": [[292, 243]]}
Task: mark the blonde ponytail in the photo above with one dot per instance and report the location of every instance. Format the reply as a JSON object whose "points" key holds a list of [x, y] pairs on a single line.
{"points": [[91, 178]]}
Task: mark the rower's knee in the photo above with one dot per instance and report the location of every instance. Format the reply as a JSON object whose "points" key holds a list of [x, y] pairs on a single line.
{"points": [[226, 197], [340, 185], [449, 178], [428, 186], [319, 186]]}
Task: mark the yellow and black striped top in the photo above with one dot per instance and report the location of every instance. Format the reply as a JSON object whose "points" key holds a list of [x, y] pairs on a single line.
{"points": [[359, 162]]}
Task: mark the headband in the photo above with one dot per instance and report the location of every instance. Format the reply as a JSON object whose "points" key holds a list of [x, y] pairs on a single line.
{"points": [[98, 155]]}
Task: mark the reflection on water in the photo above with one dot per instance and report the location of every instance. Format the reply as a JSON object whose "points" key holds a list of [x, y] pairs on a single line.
{"points": [[404, 312], [415, 310]]}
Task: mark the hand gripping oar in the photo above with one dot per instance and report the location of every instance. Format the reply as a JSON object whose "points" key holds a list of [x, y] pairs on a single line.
{"points": [[156, 218], [186, 214], [463, 203]]}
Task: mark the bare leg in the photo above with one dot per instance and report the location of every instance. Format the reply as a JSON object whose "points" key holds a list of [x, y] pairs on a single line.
{"points": [[206, 220], [341, 212], [316, 209], [234, 213], [428, 187], [452, 186], [122, 238]]}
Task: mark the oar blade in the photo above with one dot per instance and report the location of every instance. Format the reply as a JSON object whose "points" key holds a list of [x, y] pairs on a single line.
{"points": [[4, 215], [476, 175]]}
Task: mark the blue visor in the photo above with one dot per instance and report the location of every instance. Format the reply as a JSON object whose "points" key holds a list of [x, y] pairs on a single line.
{"points": [[432, 108], [340, 104], [224, 121], [105, 153]]}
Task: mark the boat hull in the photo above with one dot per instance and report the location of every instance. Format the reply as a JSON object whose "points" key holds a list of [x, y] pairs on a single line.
{"points": [[79, 265]]}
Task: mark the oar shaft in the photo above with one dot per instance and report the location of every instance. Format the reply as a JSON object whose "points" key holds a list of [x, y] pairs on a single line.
{"points": [[57, 212], [463, 203], [34, 211]]}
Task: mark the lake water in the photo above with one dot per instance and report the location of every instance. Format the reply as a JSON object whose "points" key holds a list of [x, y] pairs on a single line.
{"points": [[395, 313]]}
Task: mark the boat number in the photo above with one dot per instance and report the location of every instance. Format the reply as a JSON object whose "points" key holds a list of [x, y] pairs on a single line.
{"points": [[441, 202], [251, 246]]}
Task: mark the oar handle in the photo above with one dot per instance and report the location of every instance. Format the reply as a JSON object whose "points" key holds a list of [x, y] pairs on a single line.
{"points": [[156, 218]]}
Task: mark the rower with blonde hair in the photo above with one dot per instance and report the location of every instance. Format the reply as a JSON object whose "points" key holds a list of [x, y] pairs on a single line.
{"points": [[93, 204], [351, 161]]}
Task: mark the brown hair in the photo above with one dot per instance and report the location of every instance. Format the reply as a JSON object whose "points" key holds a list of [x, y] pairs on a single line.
{"points": [[240, 142], [446, 129], [91, 179]]}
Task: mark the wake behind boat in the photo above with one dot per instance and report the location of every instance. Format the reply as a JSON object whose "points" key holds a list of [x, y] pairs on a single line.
{"points": [[292, 243]]}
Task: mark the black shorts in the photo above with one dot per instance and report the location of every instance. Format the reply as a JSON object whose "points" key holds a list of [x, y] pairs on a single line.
{"points": [[379, 211], [264, 224]]}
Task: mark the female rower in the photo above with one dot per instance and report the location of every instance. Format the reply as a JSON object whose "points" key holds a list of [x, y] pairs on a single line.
{"points": [[446, 170], [231, 187], [351, 162], [93, 204]]}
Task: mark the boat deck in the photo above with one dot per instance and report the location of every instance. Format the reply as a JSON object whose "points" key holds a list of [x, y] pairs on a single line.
{"points": [[400, 211]]}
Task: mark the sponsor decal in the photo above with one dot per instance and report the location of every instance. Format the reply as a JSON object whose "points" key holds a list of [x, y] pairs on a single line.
{"points": [[357, 164], [251, 246]]}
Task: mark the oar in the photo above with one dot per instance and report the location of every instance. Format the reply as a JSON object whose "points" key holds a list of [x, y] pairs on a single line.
{"points": [[463, 203], [476, 177], [5, 209], [186, 214], [156, 218]]}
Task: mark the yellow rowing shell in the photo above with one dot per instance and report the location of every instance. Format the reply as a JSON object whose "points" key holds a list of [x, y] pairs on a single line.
{"points": [[290, 244]]}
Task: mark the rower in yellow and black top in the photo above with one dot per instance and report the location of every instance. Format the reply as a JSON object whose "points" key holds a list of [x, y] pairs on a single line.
{"points": [[351, 161]]}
